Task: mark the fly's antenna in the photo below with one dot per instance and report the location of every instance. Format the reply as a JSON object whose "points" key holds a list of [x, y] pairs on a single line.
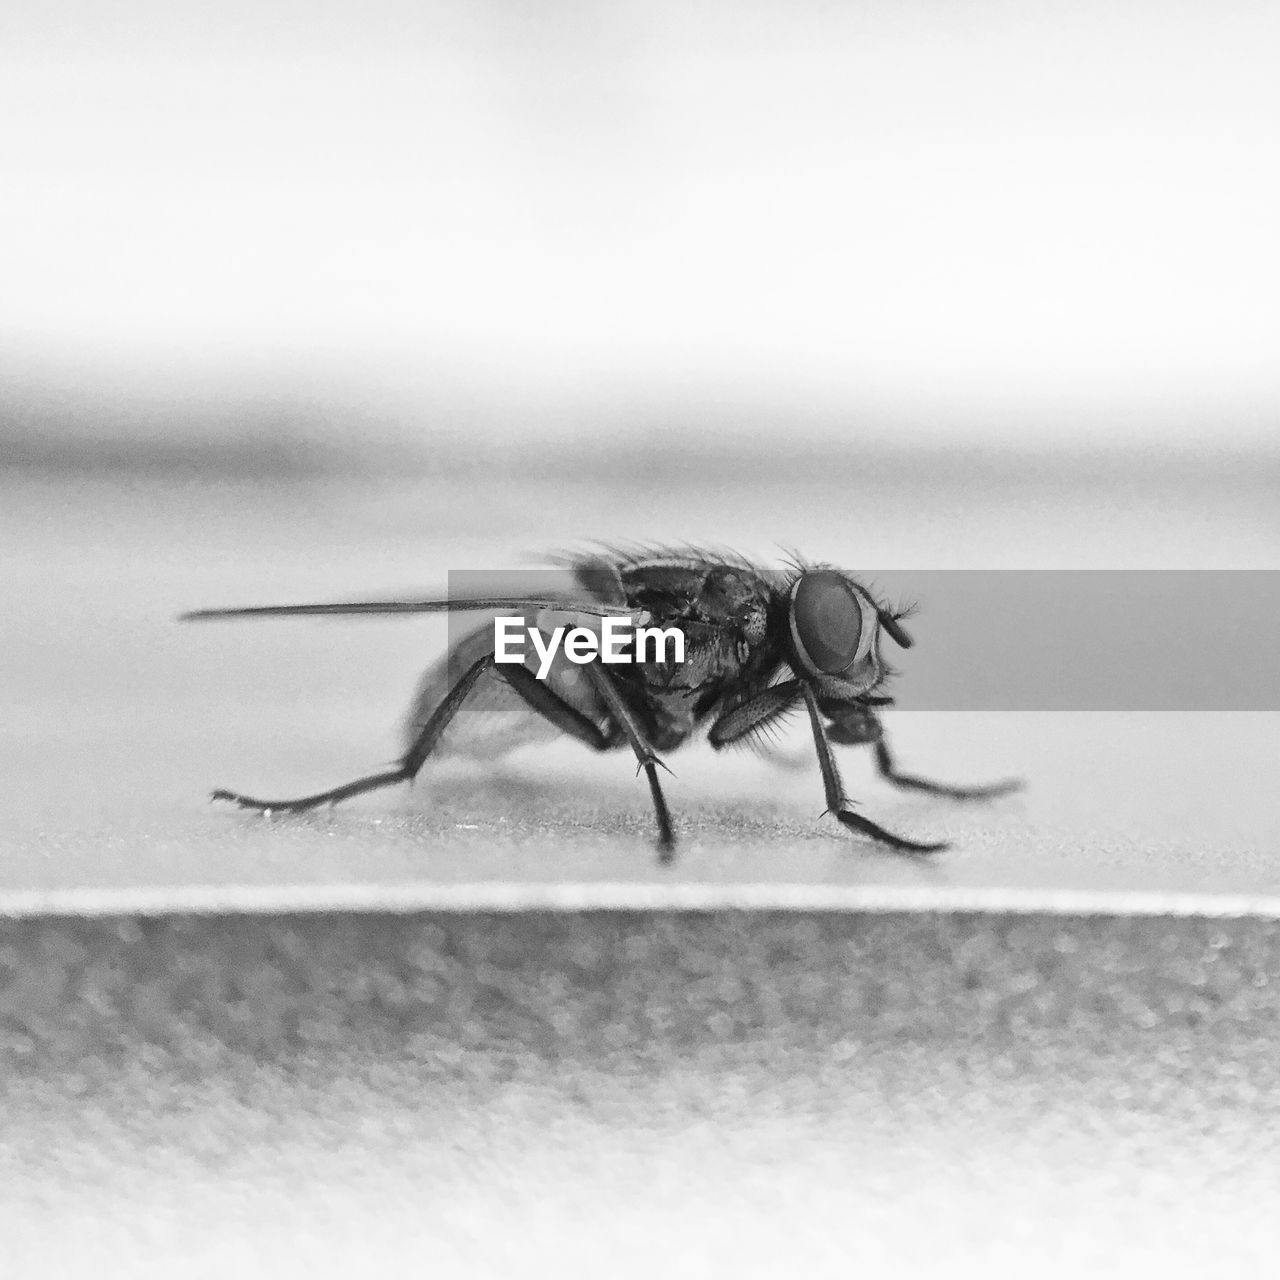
{"points": [[892, 623]]}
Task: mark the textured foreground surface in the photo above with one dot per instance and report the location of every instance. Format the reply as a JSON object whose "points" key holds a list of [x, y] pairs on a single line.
{"points": [[747, 1094]]}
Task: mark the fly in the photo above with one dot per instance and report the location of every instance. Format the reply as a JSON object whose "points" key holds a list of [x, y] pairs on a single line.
{"points": [[759, 644]]}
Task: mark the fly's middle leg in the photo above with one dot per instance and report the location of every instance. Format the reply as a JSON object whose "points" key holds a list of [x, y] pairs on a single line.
{"points": [[549, 704], [644, 753]]}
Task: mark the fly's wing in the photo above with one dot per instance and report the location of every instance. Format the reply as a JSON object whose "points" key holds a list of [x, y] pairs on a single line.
{"points": [[599, 577], [493, 720], [514, 594]]}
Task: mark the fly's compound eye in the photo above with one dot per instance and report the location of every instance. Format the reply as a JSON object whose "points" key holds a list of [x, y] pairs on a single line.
{"points": [[827, 622]]}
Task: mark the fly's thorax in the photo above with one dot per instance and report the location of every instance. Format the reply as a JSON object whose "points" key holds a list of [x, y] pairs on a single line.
{"points": [[547, 638], [618, 629], [547, 620], [711, 656], [737, 597], [726, 627]]}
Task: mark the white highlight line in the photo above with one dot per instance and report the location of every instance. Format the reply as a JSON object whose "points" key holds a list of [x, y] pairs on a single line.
{"points": [[621, 896]]}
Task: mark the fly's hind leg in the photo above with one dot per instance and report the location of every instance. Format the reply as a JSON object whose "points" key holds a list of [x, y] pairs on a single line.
{"points": [[405, 771], [645, 754], [568, 719], [554, 708], [908, 782]]}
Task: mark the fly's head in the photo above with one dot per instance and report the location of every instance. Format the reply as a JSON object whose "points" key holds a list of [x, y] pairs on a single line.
{"points": [[834, 631]]}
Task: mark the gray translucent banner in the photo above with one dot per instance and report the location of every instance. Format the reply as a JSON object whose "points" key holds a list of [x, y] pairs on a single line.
{"points": [[1041, 640]]}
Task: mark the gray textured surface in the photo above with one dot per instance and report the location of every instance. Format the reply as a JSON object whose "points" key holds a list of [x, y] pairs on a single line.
{"points": [[744, 1094]]}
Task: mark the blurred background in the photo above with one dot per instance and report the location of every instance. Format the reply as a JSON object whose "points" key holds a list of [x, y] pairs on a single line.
{"points": [[311, 228]]}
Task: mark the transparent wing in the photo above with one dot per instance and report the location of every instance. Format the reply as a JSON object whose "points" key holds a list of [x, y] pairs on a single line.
{"points": [[576, 604], [495, 719]]}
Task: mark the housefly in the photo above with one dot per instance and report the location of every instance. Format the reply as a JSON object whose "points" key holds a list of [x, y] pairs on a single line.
{"points": [[759, 644]]}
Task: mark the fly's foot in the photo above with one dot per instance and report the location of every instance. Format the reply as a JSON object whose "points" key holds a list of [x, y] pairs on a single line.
{"points": [[988, 791], [856, 822], [262, 806]]}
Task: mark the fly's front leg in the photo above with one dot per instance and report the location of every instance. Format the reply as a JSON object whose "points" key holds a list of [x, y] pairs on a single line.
{"points": [[649, 762], [838, 802], [405, 771], [861, 726], [757, 713], [908, 782]]}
